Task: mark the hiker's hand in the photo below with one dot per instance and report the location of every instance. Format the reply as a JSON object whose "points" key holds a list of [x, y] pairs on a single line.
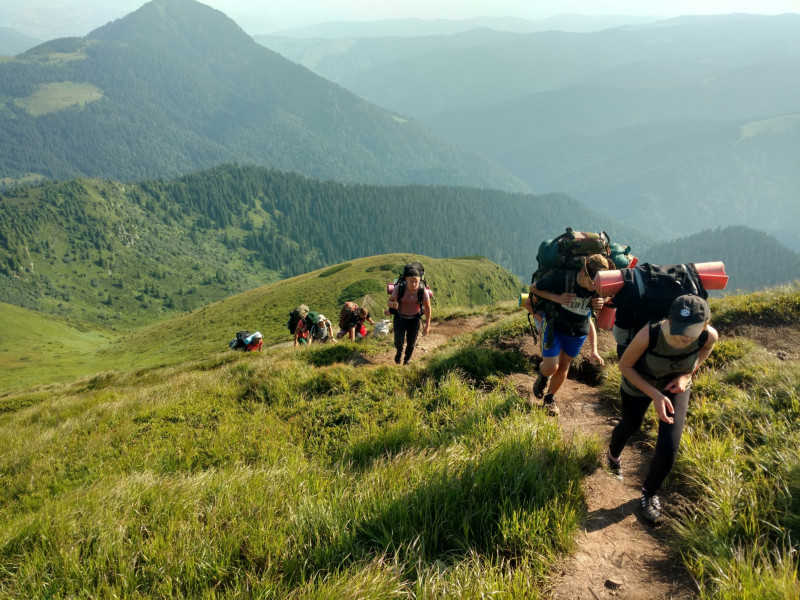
{"points": [[597, 303], [664, 409], [679, 384], [596, 358], [566, 298], [425, 329]]}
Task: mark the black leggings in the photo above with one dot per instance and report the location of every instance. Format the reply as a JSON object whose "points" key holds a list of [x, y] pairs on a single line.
{"points": [[669, 436], [408, 329]]}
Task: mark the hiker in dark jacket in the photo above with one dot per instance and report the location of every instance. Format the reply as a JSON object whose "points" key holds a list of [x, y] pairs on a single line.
{"points": [[566, 326], [408, 312], [355, 328], [657, 367]]}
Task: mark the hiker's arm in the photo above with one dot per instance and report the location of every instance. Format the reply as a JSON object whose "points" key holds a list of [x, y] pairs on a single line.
{"points": [[627, 364], [592, 337], [565, 298], [351, 333], [426, 305]]}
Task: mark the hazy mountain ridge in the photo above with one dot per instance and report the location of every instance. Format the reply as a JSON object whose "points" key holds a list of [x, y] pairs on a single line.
{"points": [[753, 260], [636, 121], [176, 86], [14, 42]]}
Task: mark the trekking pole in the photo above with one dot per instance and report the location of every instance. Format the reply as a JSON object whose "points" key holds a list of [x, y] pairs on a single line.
{"points": [[533, 329]]}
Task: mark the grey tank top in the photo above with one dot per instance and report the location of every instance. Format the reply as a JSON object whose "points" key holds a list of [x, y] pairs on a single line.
{"points": [[661, 363]]}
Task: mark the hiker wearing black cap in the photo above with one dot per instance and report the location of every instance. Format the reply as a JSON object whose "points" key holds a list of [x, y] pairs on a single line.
{"points": [[567, 326], [657, 367], [408, 310]]}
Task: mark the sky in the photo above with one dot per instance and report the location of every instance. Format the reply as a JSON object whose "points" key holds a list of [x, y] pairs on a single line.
{"points": [[46, 19]]}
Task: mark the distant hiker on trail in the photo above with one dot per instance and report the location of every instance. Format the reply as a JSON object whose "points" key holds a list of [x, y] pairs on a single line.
{"points": [[302, 333], [321, 331], [567, 324], [410, 301], [657, 367], [352, 324]]}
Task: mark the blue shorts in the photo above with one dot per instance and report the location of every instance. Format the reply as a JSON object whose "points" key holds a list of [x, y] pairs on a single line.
{"points": [[570, 345]]}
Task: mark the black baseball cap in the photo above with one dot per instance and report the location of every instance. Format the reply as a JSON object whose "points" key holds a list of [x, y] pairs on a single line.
{"points": [[688, 316]]}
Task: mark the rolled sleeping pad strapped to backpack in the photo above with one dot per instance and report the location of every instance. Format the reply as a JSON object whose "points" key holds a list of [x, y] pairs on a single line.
{"points": [[712, 275], [608, 283], [522, 298]]}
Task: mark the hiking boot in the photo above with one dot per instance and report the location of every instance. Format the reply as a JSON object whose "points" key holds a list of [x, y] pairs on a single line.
{"points": [[614, 466], [406, 361], [651, 507], [550, 405], [540, 385], [397, 357]]}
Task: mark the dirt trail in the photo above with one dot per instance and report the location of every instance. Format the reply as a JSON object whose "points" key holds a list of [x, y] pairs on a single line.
{"points": [[619, 555]]}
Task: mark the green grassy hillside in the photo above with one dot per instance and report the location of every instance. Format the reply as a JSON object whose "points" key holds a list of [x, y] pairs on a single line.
{"points": [[35, 347], [131, 254], [261, 475], [456, 282]]}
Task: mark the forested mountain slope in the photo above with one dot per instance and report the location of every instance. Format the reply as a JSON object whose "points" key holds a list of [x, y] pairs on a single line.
{"points": [[139, 252], [177, 86]]}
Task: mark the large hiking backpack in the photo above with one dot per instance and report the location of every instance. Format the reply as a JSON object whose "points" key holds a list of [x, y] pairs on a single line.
{"points": [[567, 253], [400, 283], [294, 317], [238, 343], [649, 290], [311, 319], [348, 309]]}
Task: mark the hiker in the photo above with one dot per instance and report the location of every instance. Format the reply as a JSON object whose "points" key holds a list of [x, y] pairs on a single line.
{"points": [[354, 328], [408, 310], [567, 324], [302, 333], [657, 367], [321, 331]]}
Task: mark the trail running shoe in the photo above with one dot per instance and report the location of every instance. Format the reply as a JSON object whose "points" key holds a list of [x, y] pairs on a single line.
{"points": [[540, 385], [615, 466], [651, 507], [550, 405]]}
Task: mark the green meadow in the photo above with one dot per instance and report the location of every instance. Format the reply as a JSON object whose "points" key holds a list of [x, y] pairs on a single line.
{"points": [[298, 474]]}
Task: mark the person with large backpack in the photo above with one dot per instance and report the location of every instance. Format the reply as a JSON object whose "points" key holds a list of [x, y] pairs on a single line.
{"points": [[657, 367], [567, 324], [351, 321], [409, 301], [321, 331]]}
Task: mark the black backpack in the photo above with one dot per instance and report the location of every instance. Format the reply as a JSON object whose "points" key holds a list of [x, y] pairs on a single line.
{"points": [[400, 282], [294, 317], [649, 290], [238, 342]]}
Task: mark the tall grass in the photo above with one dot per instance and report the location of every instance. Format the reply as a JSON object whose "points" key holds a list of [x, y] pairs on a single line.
{"points": [[266, 476]]}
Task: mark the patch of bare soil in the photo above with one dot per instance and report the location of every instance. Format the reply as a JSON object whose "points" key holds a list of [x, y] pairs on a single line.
{"points": [[439, 334], [780, 340]]}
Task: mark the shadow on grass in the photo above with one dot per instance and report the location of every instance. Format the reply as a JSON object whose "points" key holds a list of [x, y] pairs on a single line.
{"points": [[478, 364], [521, 500]]}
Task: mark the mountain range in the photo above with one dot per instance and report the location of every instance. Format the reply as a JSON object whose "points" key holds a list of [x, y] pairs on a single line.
{"points": [[698, 114], [177, 86]]}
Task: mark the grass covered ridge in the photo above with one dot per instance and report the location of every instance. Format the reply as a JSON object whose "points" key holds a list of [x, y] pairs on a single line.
{"points": [[296, 474], [264, 476]]}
